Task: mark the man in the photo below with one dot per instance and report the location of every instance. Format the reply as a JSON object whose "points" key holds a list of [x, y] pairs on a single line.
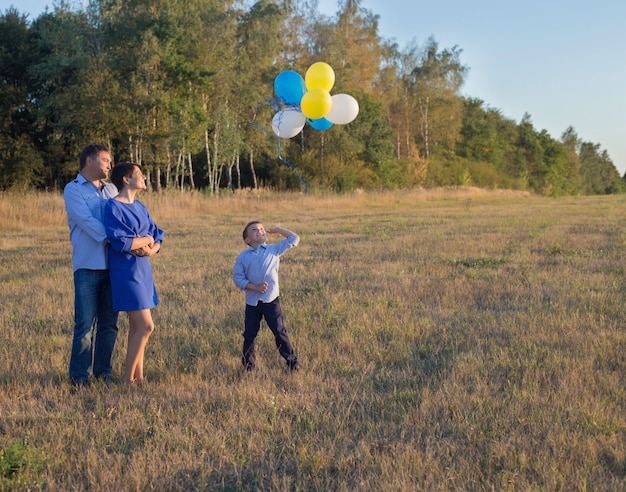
{"points": [[95, 322]]}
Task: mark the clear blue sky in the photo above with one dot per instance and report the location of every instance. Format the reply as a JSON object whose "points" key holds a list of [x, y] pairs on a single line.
{"points": [[561, 61]]}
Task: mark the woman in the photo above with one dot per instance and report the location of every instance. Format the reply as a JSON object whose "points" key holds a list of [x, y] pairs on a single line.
{"points": [[134, 238]]}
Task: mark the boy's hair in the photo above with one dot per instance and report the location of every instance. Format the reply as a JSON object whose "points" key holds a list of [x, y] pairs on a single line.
{"points": [[92, 150], [245, 229], [123, 170]]}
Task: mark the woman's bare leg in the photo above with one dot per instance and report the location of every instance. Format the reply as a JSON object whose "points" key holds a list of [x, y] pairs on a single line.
{"points": [[141, 327]]}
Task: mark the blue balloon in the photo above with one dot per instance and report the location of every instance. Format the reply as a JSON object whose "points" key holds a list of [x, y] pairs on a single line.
{"points": [[320, 123], [290, 87]]}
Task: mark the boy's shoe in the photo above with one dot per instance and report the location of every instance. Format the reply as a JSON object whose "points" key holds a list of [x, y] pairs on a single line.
{"points": [[248, 364]]}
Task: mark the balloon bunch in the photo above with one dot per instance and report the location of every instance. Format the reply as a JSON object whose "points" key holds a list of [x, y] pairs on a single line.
{"points": [[308, 99]]}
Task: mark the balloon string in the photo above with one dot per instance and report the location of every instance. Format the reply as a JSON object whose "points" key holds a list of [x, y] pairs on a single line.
{"points": [[306, 186], [276, 105]]}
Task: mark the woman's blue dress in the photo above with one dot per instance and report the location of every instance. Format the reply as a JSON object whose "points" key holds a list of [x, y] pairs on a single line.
{"points": [[132, 282]]}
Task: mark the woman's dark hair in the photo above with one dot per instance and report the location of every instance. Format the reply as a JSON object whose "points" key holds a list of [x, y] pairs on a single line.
{"points": [[123, 170]]}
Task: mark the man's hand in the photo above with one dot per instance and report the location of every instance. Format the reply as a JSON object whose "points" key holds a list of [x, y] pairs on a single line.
{"points": [[146, 250], [143, 251]]}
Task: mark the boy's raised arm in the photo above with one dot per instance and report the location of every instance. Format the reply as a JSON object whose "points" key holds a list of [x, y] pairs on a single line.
{"points": [[283, 232]]}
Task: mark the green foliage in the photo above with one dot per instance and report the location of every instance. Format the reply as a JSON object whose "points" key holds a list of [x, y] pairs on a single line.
{"points": [[372, 130], [436, 82], [598, 171], [175, 86], [489, 262], [20, 467], [21, 166], [443, 171], [487, 136]]}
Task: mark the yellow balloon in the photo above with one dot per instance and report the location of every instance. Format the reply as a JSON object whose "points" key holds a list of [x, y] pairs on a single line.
{"points": [[320, 75], [316, 103]]}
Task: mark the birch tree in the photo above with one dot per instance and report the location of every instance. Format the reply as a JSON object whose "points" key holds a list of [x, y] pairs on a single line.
{"points": [[438, 78]]}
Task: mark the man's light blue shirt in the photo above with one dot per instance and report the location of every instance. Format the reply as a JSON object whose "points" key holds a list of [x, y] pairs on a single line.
{"points": [[261, 265], [84, 204]]}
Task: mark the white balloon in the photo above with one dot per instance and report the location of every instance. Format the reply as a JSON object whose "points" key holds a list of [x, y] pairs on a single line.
{"points": [[344, 109], [288, 122]]}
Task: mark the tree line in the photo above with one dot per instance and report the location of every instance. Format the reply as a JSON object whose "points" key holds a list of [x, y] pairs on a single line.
{"points": [[185, 90]]}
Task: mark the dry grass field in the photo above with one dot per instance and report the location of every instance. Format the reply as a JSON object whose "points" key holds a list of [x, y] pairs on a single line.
{"points": [[450, 340]]}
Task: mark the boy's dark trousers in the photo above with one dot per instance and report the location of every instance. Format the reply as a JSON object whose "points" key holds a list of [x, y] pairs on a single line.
{"points": [[273, 315]]}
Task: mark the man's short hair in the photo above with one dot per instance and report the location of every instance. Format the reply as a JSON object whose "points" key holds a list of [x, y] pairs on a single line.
{"points": [[92, 150]]}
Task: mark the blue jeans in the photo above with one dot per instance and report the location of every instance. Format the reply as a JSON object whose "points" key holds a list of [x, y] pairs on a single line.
{"points": [[93, 312]]}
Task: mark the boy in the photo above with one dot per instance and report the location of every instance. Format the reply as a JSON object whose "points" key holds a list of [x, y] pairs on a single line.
{"points": [[256, 273]]}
